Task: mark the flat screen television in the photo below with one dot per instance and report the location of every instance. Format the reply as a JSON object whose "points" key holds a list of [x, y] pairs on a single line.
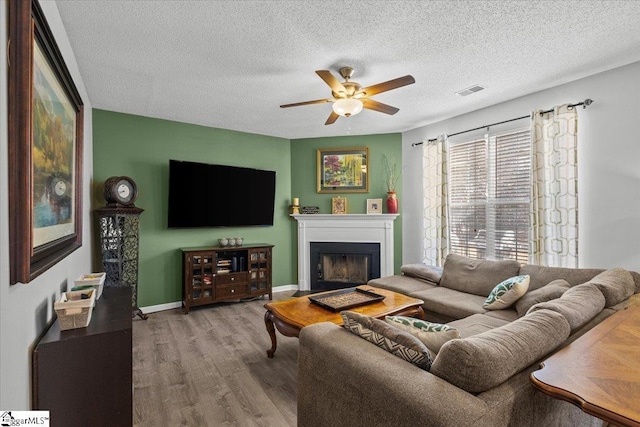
{"points": [[208, 195]]}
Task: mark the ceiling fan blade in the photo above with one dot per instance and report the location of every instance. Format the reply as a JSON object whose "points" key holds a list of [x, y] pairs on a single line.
{"points": [[333, 83], [297, 104], [332, 118], [385, 86], [379, 106]]}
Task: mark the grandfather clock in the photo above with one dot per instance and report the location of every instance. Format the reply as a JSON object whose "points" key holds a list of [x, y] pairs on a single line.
{"points": [[119, 224]]}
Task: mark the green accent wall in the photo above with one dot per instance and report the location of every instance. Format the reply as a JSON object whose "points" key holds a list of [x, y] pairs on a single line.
{"points": [[140, 147], [304, 185]]}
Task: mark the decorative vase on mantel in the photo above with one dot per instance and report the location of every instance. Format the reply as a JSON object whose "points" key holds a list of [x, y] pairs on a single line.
{"points": [[392, 202]]}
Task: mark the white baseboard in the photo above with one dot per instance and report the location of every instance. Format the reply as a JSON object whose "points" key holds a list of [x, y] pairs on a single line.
{"points": [[178, 304], [285, 288], [161, 307]]}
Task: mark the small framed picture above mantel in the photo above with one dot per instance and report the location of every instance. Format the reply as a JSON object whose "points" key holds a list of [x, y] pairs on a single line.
{"points": [[343, 170]]}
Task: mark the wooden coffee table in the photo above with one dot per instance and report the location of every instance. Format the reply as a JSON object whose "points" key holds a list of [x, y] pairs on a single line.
{"points": [[290, 316], [600, 371]]}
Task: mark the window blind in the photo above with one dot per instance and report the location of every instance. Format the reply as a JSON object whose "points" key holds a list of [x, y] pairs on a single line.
{"points": [[489, 196]]}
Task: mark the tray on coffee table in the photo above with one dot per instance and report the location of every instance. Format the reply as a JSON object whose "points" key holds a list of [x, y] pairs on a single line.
{"points": [[345, 298]]}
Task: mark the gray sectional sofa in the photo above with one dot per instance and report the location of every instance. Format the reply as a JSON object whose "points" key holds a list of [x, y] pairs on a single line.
{"points": [[480, 379]]}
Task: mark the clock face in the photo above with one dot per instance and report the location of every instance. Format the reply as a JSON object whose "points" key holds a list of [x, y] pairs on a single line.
{"points": [[60, 188], [124, 191]]}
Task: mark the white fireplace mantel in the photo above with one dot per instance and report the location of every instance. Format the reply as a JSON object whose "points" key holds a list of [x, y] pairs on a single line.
{"points": [[356, 228]]}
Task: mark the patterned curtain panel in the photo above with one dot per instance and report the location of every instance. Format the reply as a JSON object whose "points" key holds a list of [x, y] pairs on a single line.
{"points": [[554, 201], [436, 233]]}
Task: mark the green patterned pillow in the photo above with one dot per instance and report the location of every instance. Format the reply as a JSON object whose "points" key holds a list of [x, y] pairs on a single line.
{"points": [[507, 292], [433, 335], [393, 340]]}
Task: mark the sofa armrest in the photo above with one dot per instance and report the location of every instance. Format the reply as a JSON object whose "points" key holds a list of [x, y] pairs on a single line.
{"points": [[422, 271], [344, 380]]}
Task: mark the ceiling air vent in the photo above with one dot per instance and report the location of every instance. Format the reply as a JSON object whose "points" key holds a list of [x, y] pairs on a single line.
{"points": [[470, 90]]}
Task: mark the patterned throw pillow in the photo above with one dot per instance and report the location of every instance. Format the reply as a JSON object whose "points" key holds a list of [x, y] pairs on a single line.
{"points": [[433, 335], [393, 340], [507, 292]]}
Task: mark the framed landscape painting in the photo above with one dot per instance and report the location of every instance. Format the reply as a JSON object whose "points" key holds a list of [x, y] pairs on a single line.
{"points": [[45, 148], [343, 170]]}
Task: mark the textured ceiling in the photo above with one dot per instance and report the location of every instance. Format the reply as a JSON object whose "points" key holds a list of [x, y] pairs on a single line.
{"points": [[230, 64]]}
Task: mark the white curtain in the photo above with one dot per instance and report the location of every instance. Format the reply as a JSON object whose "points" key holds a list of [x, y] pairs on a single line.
{"points": [[436, 227], [554, 198]]}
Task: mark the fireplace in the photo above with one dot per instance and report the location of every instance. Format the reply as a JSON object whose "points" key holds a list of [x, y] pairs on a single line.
{"points": [[337, 265], [347, 228]]}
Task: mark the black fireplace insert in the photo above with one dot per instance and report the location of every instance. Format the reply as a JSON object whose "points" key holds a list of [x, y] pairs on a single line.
{"points": [[338, 265]]}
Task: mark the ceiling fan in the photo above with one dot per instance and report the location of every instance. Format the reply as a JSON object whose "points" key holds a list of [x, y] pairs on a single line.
{"points": [[349, 98]]}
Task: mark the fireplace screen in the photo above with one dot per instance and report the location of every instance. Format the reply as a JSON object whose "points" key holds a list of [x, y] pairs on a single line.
{"points": [[344, 268], [337, 265]]}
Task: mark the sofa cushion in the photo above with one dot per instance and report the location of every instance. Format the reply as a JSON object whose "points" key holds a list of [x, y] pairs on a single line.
{"points": [[483, 361], [615, 284], [541, 275], [509, 314], [477, 324], [393, 340], [450, 303], [506, 293], [422, 271], [476, 276], [549, 292], [578, 305], [403, 284], [433, 335]]}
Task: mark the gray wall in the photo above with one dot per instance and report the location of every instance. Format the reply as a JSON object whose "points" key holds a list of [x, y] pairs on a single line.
{"points": [[26, 309], [608, 168]]}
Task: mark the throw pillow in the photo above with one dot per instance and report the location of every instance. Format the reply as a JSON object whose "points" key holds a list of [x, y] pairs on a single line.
{"points": [[506, 293], [393, 340], [549, 292], [433, 335]]}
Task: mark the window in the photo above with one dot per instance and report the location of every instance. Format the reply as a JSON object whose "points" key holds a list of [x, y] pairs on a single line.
{"points": [[489, 196]]}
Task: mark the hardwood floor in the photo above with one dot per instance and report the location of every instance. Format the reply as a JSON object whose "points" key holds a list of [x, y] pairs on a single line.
{"points": [[210, 368]]}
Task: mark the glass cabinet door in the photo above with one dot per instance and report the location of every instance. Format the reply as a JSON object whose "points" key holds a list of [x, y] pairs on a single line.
{"points": [[202, 276], [259, 269]]}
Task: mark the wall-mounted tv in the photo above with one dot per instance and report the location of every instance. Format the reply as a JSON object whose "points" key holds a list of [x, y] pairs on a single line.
{"points": [[208, 195]]}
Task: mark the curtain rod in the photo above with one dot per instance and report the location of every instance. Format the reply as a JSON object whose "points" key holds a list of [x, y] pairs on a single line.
{"points": [[584, 104]]}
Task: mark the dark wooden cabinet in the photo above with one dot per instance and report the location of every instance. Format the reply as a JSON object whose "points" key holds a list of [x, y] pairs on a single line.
{"points": [[84, 376], [216, 274]]}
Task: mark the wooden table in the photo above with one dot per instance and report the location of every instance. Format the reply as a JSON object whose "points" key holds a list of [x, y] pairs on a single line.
{"points": [[600, 371], [292, 315]]}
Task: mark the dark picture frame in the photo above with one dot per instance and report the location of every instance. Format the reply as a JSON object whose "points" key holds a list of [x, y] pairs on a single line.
{"points": [[343, 170], [46, 116]]}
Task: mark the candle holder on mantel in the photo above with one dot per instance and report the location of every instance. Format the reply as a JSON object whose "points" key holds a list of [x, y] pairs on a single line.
{"points": [[295, 206]]}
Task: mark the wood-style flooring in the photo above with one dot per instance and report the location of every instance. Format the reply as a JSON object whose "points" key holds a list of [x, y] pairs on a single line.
{"points": [[210, 368]]}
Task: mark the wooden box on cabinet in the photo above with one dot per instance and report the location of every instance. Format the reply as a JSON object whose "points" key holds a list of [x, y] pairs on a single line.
{"points": [[216, 274]]}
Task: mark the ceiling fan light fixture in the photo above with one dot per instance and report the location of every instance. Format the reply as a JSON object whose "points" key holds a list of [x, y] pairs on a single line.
{"points": [[347, 107]]}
